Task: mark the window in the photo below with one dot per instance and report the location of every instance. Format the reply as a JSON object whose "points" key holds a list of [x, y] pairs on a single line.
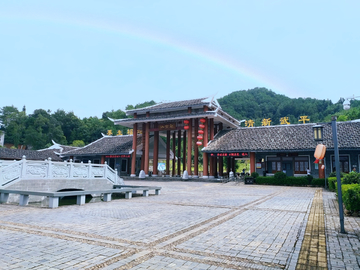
{"points": [[343, 162], [124, 165], [301, 165], [274, 164]]}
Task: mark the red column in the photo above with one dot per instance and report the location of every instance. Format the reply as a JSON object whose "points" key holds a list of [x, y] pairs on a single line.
{"points": [[173, 150], [143, 146], [321, 171], [147, 139], [167, 172], [189, 148], [212, 159], [205, 157], [102, 160], [196, 149], [156, 152], [221, 159], [252, 162], [133, 157], [184, 151], [179, 154]]}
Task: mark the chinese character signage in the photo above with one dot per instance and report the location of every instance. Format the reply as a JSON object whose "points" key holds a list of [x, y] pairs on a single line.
{"points": [[117, 156], [266, 122], [249, 123], [304, 118], [168, 126], [284, 121], [241, 154]]}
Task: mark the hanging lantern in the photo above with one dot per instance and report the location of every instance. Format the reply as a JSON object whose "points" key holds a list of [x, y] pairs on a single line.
{"points": [[201, 131], [202, 120], [186, 122], [201, 126], [199, 137], [199, 143], [319, 152]]}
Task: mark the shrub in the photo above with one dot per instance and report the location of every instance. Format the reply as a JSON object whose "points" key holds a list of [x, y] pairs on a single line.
{"points": [[331, 182], [318, 182], [351, 178], [254, 175], [333, 174], [296, 181], [262, 180], [309, 178], [351, 197]]}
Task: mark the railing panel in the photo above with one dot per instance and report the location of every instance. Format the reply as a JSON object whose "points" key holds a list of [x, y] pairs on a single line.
{"points": [[24, 169], [60, 170], [10, 173]]}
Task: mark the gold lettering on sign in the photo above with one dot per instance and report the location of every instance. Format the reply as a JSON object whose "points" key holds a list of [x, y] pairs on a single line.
{"points": [[249, 123], [284, 121], [304, 118], [266, 122]]}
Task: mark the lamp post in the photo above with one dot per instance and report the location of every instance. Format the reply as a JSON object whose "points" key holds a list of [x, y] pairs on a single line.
{"points": [[337, 166], [318, 136]]}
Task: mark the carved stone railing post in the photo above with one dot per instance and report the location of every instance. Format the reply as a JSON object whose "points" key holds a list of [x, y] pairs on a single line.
{"points": [[71, 168], [89, 171], [105, 169], [49, 172], [23, 167]]}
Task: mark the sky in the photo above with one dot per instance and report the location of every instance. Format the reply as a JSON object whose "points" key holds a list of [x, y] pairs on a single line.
{"points": [[90, 57]]}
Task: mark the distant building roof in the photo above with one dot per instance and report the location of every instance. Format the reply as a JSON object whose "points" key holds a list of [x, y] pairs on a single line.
{"points": [[107, 145], [11, 154], [284, 138]]}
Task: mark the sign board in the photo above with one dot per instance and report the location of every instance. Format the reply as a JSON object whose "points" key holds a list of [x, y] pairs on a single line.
{"points": [[118, 156], [240, 154], [161, 166]]}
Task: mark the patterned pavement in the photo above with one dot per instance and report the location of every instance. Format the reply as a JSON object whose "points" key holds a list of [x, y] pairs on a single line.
{"points": [[191, 225]]}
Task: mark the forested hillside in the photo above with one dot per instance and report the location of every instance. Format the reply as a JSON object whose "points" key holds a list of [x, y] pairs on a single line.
{"points": [[260, 103], [40, 127]]}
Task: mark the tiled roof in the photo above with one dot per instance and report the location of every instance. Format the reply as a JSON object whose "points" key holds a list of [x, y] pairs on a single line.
{"points": [[106, 145], [284, 138], [167, 117], [172, 105], [6, 153]]}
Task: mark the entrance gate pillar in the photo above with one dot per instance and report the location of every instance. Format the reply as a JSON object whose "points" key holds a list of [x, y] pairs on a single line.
{"points": [[133, 157], [205, 156], [156, 152], [196, 149], [167, 173], [173, 150], [184, 151], [189, 148], [147, 139], [212, 159], [179, 153]]}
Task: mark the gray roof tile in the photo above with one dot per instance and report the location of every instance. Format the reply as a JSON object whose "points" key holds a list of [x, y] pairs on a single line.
{"points": [[284, 138], [106, 145]]}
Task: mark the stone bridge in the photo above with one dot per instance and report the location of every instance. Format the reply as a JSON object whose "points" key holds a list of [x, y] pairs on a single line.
{"points": [[55, 176]]}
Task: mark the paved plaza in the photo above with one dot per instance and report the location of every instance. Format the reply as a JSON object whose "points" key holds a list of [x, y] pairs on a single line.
{"points": [[191, 225]]}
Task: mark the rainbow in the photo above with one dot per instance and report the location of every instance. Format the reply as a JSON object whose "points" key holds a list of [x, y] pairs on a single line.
{"points": [[200, 53]]}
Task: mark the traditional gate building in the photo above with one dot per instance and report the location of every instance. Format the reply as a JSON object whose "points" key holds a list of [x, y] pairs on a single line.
{"points": [[190, 124]]}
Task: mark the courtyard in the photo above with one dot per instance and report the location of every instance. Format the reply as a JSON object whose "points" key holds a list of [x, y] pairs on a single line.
{"points": [[191, 225]]}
